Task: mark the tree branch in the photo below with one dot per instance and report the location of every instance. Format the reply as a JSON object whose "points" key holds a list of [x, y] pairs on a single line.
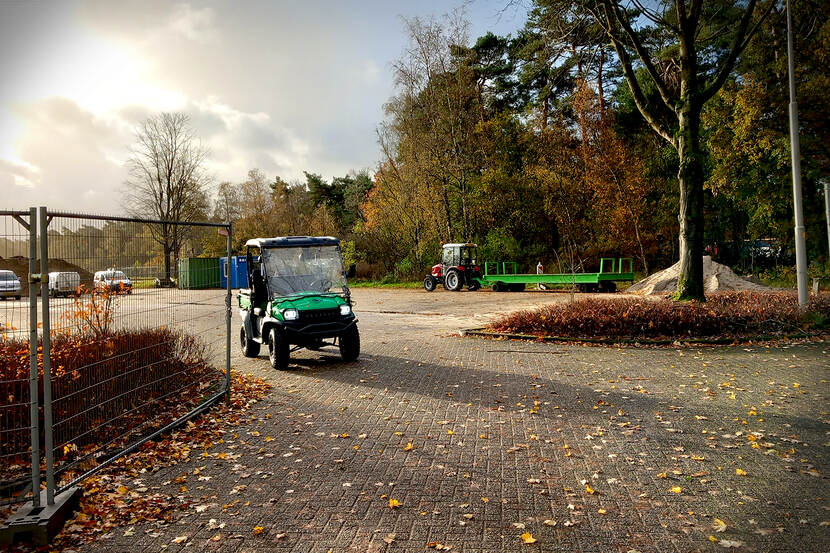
{"points": [[740, 42], [643, 55]]}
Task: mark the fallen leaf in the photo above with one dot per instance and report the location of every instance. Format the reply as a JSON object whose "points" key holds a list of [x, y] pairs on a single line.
{"points": [[389, 538], [519, 525], [180, 539], [408, 447], [730, 543], [740, 472], [718, 525], [394, 503], [676, 489], [527, 537], [258, 530], [590, 490], [549, 522], [280, 536], [601, 511], [468, 516], [217, 537]]}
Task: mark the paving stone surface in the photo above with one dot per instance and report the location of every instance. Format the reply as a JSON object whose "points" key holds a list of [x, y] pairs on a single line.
{"points": [[587, 449]]}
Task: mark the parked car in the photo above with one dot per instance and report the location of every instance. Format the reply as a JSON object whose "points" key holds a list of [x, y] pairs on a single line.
{"points": [[111, 279], [9, 285], [64, 283]]}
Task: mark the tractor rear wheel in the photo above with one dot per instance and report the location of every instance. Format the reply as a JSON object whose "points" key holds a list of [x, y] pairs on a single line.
{"points": [[430, 282], [452, 281], [278, 349]]}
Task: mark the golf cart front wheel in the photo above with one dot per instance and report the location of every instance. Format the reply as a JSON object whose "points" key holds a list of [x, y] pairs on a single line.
{"points": [[249, 347], [350, 344], [278, 351]]}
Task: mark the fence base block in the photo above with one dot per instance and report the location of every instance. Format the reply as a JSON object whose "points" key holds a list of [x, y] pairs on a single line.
{"points": [[38, 525]]}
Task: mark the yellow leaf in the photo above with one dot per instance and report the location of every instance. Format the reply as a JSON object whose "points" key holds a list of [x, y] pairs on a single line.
{"points": [[408, 447], [601, 511], [527, 537], [258, 530], [661, 475], [590, 490], [485, 500], [751, 437], [394, 503], [718, 525], [483, 436], [713, 539], [676, 489], [740, 472]]}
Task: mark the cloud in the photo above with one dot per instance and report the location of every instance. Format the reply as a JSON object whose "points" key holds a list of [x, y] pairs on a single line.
{"points": [[15, 173], [193, 23]]}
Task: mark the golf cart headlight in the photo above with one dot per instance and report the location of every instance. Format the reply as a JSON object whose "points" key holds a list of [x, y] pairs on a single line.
{"points": [[291, 314], [345, 309]]}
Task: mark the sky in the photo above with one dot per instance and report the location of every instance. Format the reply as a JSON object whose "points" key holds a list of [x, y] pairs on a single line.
{"points": [[282, 86]]}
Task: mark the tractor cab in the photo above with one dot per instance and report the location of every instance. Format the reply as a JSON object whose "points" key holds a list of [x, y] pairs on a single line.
{"points": [[457, 268]]}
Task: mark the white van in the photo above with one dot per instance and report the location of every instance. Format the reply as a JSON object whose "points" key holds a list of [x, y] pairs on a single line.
{"points": [[64, 283], [113, 280]]}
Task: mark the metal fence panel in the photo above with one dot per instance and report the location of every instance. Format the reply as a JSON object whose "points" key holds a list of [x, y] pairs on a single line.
{"points": [[131, 351], [19, 428]]}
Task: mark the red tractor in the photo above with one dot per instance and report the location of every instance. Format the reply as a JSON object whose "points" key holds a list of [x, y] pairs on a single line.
{"points": [[457, 269]]}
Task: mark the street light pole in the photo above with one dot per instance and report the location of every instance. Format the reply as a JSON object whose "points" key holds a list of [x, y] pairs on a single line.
{"points": [[800, 242]]}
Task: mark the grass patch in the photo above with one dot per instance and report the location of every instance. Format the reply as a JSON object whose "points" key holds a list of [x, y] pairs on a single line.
{"points": [[385, 283], [723, 315]]}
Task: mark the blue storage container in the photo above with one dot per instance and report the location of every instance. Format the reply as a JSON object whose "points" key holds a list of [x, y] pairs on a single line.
{"points": [[238, 272]]}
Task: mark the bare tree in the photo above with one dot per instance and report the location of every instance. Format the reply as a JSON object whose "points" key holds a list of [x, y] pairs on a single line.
{"points": [[166, 180]]}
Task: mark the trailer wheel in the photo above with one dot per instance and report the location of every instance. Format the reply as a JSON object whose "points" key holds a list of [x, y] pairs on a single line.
{"points": [[517, 287], [430, 283], [499, 287], [452, 281], [474, 285]]}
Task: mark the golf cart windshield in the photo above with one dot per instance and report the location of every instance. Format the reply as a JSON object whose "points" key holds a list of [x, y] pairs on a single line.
{"points": [[303, 270]]}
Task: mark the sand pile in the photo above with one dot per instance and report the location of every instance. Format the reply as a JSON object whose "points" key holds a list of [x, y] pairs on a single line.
{"points": [[715, 277], [20, 266]]}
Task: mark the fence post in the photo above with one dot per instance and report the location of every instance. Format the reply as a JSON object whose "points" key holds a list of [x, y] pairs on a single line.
{"points": [[228, 316], [33, 368], [48, 445]]}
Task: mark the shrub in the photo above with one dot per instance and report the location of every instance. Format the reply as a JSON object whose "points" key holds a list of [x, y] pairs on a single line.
{"points": [[725, 314]]}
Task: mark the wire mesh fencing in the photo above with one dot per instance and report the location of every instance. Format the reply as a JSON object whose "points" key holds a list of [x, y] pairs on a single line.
{"points": [[138, 333], [19, 431]]}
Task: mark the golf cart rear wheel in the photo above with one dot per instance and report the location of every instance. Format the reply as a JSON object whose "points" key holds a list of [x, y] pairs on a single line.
{"points": [[249, 347], [430, 282], [452, 281], [350, 344], [278, 352]]}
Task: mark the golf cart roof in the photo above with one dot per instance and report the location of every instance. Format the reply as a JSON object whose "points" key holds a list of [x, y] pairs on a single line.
{"points": [[293, 241], [469, 244]]}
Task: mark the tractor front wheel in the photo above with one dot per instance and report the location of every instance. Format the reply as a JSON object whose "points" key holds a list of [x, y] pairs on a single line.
{"points": [[452, 281], [430, 282], [278, 349], [350, 344]]}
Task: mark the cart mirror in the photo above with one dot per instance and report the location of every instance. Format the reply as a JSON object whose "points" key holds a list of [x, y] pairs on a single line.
{"points": [[352, 271]]}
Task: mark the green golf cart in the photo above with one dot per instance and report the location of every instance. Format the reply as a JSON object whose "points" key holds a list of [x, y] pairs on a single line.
{"points": [[298, 298]]}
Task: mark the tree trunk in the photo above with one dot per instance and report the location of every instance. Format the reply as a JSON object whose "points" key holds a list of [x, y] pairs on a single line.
{"points": [[690, 179]]}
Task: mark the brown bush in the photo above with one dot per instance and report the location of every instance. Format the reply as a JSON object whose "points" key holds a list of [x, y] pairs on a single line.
{"points": [[725, 314], [106, 388]]}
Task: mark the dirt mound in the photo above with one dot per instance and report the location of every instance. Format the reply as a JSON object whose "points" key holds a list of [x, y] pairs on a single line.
{"points": [[715, 277], [20, 266]]}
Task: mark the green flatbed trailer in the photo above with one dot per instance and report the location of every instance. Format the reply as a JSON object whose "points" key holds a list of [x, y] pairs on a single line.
{"points": [[502, 276]]}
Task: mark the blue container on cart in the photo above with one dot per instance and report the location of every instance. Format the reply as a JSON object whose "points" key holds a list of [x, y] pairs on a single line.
{"points": [[238, 272]]}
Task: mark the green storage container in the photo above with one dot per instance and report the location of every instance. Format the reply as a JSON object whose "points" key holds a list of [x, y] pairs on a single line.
{"points": [[199, 272]]}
